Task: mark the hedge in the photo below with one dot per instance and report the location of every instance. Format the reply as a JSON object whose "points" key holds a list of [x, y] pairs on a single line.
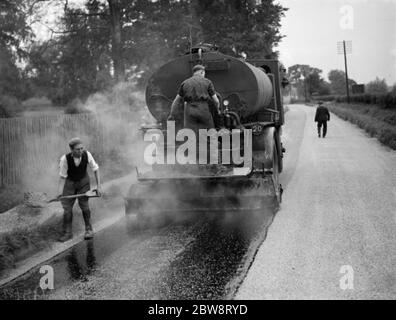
{"points": [[387, 101]]}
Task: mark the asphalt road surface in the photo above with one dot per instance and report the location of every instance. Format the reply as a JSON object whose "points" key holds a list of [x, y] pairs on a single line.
{"points": [[197, 260], [335, 236], [338, 210]]}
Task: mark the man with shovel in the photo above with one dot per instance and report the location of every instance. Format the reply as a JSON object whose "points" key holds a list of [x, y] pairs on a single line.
{"points": [[74, 180]]}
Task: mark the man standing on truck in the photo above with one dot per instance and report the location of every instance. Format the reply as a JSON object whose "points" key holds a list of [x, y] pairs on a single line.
{"points": [[321, 117], [74, 180], [196, 93]]}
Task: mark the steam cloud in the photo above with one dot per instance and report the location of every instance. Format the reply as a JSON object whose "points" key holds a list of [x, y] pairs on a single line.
{"points": [[113, 137]]}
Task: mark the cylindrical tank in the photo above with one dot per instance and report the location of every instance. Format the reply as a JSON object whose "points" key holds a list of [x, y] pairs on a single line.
{"points": [[231, 78]]}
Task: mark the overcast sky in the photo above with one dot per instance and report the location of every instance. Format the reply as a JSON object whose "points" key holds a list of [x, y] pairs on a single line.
{"points": [[313, 27]]}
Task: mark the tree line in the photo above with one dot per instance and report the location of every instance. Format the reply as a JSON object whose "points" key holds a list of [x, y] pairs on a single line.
{"points": [[308, 81], [95, 45]]}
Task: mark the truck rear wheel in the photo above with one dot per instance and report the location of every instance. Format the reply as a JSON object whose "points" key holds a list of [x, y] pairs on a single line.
{"points": [[279, 150], [275, 175]]}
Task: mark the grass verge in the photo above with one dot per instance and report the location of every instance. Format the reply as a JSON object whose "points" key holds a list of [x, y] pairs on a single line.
{"points": [[21, 243], [27, 239], [377, 121], [10, 197]]}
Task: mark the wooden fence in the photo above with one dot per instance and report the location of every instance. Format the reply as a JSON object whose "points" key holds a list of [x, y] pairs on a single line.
{"points": [[32, 146]]}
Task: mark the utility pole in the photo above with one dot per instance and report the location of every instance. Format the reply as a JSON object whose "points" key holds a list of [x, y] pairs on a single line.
{"points": [[305, 89], [346, 73], [345, 47]]}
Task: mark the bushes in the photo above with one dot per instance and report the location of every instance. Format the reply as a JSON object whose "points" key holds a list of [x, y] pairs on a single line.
{"points": [[10, 197], [36, 103], [76, 106], [325, 98], [387, 101], [294, 100], [388, 137], [376, 121], [23, 242], [9, 106]]}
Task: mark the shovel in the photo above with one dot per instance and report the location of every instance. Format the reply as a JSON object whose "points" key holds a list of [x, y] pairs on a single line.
{"points": [[89, 194]]}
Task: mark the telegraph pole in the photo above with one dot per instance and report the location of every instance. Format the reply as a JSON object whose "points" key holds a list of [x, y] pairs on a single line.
{"points": [[346, 72], [344, 48]]}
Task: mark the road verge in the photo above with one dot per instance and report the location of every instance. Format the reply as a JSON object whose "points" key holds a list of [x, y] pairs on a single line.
{"points": [[376, 121]]}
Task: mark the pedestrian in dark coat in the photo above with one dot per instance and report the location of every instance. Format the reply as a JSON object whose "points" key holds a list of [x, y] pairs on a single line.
{"points": [[321, 117]]}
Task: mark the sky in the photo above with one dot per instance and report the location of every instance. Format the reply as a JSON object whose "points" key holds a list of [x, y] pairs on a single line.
{"points": [[313, 28]]}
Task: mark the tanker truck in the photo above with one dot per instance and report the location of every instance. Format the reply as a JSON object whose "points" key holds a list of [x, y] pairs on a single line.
{"points": [[251, 112]]}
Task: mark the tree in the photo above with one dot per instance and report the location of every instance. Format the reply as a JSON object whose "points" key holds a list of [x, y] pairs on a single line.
{"points": [[108, 41], [247, 26], [13, 32], [337, 82], [161, 31], [378, 86], [307, 80], [10, 75], [115, 18], [13, 26], [76, 61], [316, 84], [393, 89]]}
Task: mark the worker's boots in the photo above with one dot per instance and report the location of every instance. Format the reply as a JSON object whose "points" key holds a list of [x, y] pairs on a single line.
{"points": [[88, 227], [88, 234], [67, 233], [65, 237]]}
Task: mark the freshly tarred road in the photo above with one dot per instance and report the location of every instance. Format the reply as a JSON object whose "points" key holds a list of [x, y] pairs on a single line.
{"points": [[338, 214]]}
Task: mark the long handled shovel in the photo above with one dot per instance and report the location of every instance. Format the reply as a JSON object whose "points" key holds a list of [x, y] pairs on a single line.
{"points": [[88, 194]]}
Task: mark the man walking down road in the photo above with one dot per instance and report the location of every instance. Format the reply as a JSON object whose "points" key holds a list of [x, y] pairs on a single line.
{"points": [[321, 117], [74, 179]]}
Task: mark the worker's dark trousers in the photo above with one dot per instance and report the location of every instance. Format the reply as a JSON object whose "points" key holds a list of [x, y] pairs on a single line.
{"points": [[324, 124], [71, 188], [197, 115]]}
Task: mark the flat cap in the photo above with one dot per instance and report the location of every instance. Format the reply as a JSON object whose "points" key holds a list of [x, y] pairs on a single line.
{"points": [[74, 141], [198, 67]]}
